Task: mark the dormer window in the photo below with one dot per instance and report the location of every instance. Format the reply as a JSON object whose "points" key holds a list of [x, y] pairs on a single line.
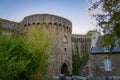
{"points": [[106, 48]]}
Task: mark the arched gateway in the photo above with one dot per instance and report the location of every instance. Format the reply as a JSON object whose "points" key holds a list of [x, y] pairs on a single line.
{"points": [[64, 69]]}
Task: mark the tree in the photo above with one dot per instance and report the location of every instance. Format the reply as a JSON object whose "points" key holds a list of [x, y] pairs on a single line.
{"points": [[0, 28], [16, 62], [24, 57], [107, 15], [90, 32], [39, 45]]}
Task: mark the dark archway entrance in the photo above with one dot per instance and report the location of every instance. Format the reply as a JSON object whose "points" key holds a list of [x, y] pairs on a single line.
{"points": [[64, 69]]}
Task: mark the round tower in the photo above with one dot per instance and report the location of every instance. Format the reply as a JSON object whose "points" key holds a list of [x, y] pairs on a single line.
{"points": [[59, 30]]}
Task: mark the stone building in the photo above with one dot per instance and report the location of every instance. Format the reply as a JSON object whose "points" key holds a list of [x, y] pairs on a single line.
{"points": [[102, 63], [63, 40]]}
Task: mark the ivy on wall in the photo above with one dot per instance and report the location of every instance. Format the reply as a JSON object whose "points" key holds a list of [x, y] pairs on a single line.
{"points": [[76, 63], [78, 60]]}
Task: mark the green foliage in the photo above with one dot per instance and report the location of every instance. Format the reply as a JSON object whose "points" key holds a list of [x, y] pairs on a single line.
{"points": [[107, 16], [45, 24], [109, 19], [79, 61], [39, 45], [76, 64], [16, 63], [24, 57], [107, 39], [0, 28], [90, 32]]}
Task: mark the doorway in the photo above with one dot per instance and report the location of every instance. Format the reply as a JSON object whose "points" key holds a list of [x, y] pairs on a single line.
{"points": [[64, 69]]}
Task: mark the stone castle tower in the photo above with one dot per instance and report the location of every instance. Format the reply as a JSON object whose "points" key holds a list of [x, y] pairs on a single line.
{"points": [[61, 30]]}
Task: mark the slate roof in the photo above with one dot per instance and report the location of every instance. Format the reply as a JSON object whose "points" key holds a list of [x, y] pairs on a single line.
{"points": [[98, 49]]}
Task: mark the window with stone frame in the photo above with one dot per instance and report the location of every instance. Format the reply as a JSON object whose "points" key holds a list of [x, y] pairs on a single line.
{"points": [[65, 40]]}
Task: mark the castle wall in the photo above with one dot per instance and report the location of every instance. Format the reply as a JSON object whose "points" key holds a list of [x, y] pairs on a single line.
{"points": [[59, 31], [80, 52], [8, 26], [80, 41]]}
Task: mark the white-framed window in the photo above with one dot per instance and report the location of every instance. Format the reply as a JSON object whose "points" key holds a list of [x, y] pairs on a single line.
{"points": [[107, 63]]}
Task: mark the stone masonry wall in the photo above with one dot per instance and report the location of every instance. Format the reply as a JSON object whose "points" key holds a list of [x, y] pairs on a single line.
{"points": [[80, 51], [97, 65]]}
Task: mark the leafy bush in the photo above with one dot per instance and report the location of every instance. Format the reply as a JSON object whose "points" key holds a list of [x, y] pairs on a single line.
{"points": [[24, 57], [39, 45], [16, 62]]}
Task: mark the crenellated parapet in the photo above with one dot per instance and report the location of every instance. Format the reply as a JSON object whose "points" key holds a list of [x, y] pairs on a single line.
{"points": [[46, 18], [8, 26], [58, 22], [83, 38]]}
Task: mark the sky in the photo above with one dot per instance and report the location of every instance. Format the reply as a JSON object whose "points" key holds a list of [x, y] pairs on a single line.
{"points": [[74, 10]]}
